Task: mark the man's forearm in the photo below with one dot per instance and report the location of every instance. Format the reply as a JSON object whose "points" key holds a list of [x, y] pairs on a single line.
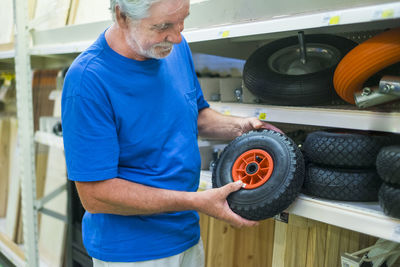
{"points": [[121, 197], [212, 124], [118, 196]]}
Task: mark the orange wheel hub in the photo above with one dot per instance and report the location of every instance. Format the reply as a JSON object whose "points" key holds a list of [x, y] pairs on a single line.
{"points": [[254, 168]]}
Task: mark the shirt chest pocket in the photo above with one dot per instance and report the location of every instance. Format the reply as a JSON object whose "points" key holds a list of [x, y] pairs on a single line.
{"points": [[191, 101]]}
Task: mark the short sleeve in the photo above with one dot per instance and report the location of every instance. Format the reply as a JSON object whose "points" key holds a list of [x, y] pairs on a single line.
{"points": [[201, 102], [90, 139]]}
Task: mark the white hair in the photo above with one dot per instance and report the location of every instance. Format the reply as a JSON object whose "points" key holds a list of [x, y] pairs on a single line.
{"points": [[134, 9]]}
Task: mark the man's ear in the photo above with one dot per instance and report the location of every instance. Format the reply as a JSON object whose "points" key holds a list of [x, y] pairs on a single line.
{"points": [[121, 18]]}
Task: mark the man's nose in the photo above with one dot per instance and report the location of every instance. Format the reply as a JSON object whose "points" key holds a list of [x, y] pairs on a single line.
{"points": [[175, 35]]}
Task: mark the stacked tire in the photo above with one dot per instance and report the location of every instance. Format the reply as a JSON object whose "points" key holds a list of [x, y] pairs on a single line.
{"points": [[388, 166], [341, 165]]}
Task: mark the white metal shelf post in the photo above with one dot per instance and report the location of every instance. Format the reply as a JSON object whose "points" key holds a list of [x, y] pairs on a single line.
{"points": [[25, 132]]}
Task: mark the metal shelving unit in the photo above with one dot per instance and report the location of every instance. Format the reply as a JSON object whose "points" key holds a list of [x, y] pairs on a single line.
{"points": [[224, 36]]}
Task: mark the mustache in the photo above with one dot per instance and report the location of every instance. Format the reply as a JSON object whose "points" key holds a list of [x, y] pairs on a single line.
{"points": [[163, 45]]}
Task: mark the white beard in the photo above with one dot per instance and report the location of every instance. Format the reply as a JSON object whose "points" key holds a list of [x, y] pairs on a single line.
{"points": [[156, 51]]}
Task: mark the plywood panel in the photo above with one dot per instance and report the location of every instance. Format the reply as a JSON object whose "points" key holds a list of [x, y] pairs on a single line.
{"points": [[31, 9], [344, 243], [41, 167], [220, 244], [6, 21], [13, 247], [354, 241], [296, 241], [204, 225], [316, 246], [44, 82], [332, 256], [366, 241], [52, 231], [8, 133], [72, 12], [14, 186], [254, 245], [90, 11], [19, 239], [278, 257], [51, 14]]}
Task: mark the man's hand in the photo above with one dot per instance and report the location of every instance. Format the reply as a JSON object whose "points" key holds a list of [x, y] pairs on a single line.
{"points": [[213, 203], [252, 123]]}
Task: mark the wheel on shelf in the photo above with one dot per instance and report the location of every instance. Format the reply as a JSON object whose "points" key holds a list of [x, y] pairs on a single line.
{"points": [[276, 75], [388, 164], [364, 61], [389, 199], [347, 148], [271, 166], [342, 184]]}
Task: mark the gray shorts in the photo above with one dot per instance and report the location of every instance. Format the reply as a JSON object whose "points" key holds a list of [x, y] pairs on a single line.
{"points": [[193, 257]]}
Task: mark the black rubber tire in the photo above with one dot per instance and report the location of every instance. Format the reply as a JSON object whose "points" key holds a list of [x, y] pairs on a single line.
{"points": [[296, 90], [352, 149], [282, 187], [388, 164], [389, 199], [342, 184]]}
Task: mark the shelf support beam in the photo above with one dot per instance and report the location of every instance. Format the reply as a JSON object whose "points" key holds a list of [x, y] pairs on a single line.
{"points": [[25, 132]]}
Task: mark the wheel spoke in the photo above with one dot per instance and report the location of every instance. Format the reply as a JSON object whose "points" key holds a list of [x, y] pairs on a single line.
{"points": [[251, 180], [245, 179]]}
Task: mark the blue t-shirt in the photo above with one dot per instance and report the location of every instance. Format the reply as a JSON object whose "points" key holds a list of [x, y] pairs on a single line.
{"points": [[135, 120]]}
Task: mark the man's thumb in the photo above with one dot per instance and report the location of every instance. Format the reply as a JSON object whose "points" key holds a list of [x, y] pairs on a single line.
{"points": [[235, 186]]}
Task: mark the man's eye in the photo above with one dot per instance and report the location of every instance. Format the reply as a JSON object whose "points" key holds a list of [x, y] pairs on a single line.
{"points": [[162, 27]]}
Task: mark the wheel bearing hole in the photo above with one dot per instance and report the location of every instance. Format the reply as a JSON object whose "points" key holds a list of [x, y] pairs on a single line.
{"points": [[252, 168]]}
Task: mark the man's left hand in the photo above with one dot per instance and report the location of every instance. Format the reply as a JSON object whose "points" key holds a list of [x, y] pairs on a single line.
{"points": [[252, 123]]}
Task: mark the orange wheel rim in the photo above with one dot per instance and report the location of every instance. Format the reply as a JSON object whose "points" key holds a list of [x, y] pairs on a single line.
{"points": [[254, 168], [365, 60]]}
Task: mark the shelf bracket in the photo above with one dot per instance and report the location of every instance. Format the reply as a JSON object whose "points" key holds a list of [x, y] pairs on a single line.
{"points": [[41, 202]]}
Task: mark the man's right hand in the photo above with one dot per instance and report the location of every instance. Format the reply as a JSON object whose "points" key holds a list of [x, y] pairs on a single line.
{"points": [[213, 203]]}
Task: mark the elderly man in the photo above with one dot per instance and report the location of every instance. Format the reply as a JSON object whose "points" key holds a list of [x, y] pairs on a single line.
{"points": [[131, 111]]}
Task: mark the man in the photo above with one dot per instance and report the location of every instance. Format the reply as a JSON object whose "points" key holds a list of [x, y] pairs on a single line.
{"points": [[131, 110]]}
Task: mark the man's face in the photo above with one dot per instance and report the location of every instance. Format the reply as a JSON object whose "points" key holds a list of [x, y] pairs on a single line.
{"points": [[154, 36]]}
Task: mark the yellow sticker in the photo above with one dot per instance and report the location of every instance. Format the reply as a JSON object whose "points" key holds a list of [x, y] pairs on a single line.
{"points": [[389, 13], [262, 116], [225, 34], [334, 20], [7, 76], [227, 112]]}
